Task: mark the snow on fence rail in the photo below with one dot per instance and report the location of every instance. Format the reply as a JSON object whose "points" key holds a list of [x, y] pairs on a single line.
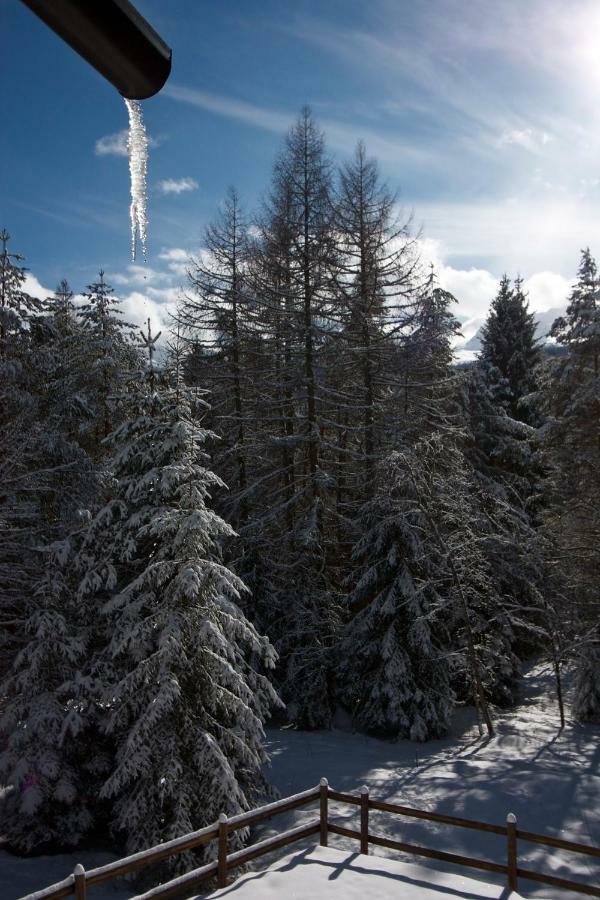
{"points": [[78, 883]]}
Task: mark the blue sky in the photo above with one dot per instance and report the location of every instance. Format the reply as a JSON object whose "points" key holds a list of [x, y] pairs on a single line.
{"points": [[484, 114]]}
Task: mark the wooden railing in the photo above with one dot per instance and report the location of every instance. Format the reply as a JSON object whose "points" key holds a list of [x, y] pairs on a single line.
{"points": [[80, 880]]}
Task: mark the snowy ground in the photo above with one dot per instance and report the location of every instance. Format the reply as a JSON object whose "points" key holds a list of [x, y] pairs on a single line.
{"points": [[549, 779], [320, 872], [19, 877]]}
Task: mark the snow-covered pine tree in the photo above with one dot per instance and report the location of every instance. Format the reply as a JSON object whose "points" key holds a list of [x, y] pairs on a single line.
{"points": [[45, 479], [483, 635], [393, 672], [421, 575], [62, 307], [426, 385], [504, 457], [181, 702], [105, 355], [15, 304], [63, 339], [49, 759], [572, 445], [432, 413], [510, 350], [18, 507]]}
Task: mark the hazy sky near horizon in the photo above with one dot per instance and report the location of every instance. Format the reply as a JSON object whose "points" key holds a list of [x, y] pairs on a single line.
{"points": [[483, 114]]}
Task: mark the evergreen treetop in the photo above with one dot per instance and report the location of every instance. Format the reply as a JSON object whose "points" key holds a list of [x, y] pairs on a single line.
{"points": [[509, 348], [579, 328]]}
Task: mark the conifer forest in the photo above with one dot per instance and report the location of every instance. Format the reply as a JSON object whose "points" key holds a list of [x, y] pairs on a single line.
{"points": [[295, 502]]}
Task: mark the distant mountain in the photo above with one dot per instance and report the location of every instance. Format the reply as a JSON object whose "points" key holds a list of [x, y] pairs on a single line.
{"points": [[544, 324]]}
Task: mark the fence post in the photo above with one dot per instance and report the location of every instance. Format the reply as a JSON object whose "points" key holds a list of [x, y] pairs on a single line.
{"points": [[79, 879], [222, 857], [324, 792], [364, 820], [511, 850]]}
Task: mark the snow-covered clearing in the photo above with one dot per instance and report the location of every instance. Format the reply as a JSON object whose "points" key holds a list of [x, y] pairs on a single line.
{"points": [[320, 872], [550, 780]]}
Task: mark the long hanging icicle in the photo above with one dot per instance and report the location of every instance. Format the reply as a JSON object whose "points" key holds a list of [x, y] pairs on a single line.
{"points": [[137, 149]]}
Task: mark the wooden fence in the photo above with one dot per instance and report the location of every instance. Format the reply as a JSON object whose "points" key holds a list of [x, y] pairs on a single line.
{"points": [[78, 883]]}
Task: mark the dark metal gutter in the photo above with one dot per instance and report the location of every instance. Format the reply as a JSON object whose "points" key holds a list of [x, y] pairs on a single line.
{"points": [[114, 38]]}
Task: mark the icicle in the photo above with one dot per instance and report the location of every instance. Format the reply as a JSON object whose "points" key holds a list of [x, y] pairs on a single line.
{"points": [[137, 148]]}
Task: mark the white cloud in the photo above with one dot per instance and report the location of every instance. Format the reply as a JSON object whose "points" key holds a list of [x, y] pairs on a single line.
{"points": [[230, 107], [496, 80], [116, 144], [589, 183], [112, 144], [339, 135], [138, 307], [167, 295], [144, 292], [526, 235], [138, 275], [178, 260], [475, 288], [446, 92], [177, 254], [531, 139], [547, 290], [152, 292], [177, 186], [147, 292], [32, 286]]}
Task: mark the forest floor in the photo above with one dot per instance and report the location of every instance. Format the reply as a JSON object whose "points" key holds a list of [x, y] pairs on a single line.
{"points": [[549, 778]]}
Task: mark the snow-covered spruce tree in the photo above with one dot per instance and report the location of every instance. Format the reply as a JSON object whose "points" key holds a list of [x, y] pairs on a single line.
{"points": [[483, 636], [432, 414], [72, 403], [45, 479], [490, 615], [439, 546], [426, 386], [18, 507], [105, 355], [393, 672], [503, 455], [510, 351], [421, 575], [572, 446], [49, 762], [181, 702]]}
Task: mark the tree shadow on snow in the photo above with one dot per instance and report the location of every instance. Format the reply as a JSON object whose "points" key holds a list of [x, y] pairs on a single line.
{"points": [[350, 866]]}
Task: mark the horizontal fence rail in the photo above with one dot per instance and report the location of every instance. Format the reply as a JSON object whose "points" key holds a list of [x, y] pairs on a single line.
{"points": [[78, 883]]}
